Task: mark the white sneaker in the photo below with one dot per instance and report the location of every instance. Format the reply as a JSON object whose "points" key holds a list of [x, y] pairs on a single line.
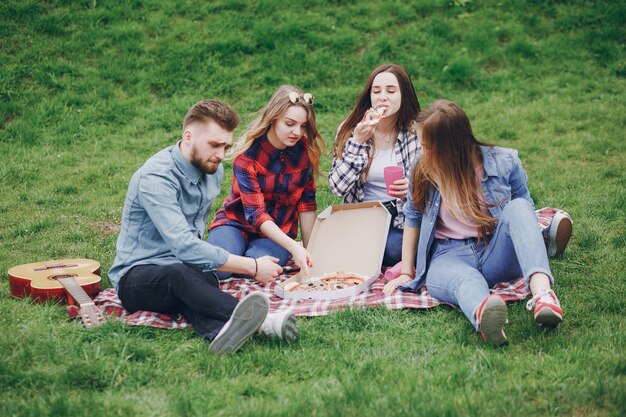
{"points": [[559, 233], [282, 325], [246, 319]]}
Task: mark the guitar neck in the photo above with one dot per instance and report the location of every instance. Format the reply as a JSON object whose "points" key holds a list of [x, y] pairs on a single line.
{"points": [[76, 291], [89, 313]]}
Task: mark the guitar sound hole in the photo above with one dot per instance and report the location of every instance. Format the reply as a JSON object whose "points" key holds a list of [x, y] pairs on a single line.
{"points": [[59, 276]]}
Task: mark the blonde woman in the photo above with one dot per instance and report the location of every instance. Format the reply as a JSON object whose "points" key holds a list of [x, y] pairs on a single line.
{"points": [[470, 222], [273, 189]]}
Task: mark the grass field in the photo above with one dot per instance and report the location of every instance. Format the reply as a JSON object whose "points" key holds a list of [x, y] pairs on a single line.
{"points": [[90, 89]]}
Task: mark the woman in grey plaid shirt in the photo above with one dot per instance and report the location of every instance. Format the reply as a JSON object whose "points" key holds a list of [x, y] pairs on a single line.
{"points": [[363, 147]]}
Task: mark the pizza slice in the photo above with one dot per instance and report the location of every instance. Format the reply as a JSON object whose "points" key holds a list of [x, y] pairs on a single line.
{"points": [[373, 115]]}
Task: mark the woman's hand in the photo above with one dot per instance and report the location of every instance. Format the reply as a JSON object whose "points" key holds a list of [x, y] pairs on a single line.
{"points": [[362, 132], [394, 283], [399, 189], [302, 258], [267, 269]]}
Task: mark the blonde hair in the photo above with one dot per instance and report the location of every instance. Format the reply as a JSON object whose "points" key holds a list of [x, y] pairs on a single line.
{"points": [[272, 111], [450, 154]]}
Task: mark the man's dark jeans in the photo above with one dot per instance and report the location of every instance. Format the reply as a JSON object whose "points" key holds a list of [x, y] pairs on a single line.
{"points": [[178, 288]]}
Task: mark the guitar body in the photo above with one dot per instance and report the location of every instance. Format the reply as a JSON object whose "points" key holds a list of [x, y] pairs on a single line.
{"points": [[39, 280]]}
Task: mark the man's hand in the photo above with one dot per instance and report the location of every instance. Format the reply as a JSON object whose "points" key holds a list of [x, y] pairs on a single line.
{"points": [[267, 269]]}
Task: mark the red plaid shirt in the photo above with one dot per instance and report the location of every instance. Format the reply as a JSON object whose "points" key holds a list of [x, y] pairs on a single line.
{"points": [[269, 184]]}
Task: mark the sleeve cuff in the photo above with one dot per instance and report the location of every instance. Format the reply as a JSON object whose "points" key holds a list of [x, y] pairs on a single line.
{"points": [[221, 256], [262, 218], [354, 147], [307, 206], [412, 218], [410, 222]]}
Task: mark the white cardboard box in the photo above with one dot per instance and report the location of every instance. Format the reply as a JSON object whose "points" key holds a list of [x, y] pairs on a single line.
{"points": [[347, 238]]}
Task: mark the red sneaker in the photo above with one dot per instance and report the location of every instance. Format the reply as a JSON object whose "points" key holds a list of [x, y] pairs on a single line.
{"points": [[491, 316], [547, 308]]}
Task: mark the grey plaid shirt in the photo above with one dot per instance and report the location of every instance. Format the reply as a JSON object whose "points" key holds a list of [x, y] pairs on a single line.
{"points": [[346, 175]]}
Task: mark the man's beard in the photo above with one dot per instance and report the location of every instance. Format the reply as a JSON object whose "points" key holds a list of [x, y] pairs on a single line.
{"points": [[205, 166]]}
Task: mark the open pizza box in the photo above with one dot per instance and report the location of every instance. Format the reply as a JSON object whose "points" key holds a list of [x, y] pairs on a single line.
{"points": [[346, 238]]}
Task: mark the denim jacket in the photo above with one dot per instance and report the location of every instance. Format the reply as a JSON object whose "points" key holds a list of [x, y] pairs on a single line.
{"points": [[165, 215], [504, 179]]}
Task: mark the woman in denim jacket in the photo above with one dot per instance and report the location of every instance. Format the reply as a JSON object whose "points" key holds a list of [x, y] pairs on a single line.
{"points": [[364, 147], [472, 214]]}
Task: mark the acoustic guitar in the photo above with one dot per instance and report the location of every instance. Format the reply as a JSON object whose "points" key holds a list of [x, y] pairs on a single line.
{"points": [[75, 281]]}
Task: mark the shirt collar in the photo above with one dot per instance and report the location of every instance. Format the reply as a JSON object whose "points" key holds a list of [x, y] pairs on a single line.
{"points": [[273, 152], [489, 162], [402, 136], [192, 173]]}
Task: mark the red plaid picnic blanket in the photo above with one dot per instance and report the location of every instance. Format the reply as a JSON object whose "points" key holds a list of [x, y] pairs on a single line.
{"points": [[238, 287]]}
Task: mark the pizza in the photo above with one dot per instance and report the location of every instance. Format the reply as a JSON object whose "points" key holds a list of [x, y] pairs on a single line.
{"points": [[373, 115], [327, 282]]}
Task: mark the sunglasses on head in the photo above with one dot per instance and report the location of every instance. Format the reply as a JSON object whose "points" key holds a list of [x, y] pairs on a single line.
{"points": [[296, 98]]}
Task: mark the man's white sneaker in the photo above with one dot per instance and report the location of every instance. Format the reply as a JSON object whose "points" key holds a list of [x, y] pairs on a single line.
{"points": [[246, 319], [282, 325]]}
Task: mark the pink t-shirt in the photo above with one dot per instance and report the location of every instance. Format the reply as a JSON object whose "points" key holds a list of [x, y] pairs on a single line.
{"points": [[448, 227]]}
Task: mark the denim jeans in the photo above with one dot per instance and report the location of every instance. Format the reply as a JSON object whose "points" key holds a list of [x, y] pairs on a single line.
{"points": [[461, 271], [234, 241], [178, 288], [393, 247]]}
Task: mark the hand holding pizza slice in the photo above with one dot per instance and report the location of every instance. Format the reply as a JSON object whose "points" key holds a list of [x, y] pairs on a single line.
{"points": [[365, 128], [373, 115]]}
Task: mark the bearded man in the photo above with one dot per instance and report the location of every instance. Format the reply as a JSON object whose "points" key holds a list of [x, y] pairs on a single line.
{"points": [[162, 264]]}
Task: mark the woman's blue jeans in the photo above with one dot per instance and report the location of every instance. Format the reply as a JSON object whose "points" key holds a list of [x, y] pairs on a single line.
{"points": [[233, 240], [393, 247], [461, 271]]}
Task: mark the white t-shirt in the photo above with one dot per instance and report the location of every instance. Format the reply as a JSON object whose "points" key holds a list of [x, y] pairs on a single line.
{"points": [[375, 188]]}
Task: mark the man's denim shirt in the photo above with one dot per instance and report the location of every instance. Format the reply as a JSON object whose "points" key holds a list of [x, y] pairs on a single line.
{"points": [[504, 180], [165, 216]]}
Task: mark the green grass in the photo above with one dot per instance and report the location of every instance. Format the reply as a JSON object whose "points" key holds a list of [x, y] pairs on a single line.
{"points": [[89, 90]]}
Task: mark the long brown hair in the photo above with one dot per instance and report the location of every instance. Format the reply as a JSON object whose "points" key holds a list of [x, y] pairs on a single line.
{"points": [[273, 110], [409, 108], [450, 155]]}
